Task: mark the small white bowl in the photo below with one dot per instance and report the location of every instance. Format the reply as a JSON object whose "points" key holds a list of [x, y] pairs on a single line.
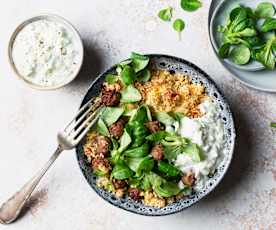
{"points": [[69, 27]]}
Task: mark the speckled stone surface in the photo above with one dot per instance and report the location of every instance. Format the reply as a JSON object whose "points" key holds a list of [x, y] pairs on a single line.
{"points": [[111, 29]]}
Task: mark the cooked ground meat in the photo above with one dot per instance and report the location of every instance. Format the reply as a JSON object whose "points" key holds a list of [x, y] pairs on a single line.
{"points": [[101, 165], [119, 183], [154, 126], [188, 179], [134, 193], [110, 97], [157, 152], [117, 129], [102, 144]]}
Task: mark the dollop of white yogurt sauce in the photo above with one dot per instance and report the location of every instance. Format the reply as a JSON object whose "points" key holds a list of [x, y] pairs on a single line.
{"points": [[208, 132], [45, 53]]}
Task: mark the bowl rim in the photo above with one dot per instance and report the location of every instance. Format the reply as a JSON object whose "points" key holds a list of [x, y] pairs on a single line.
{"points": [[215, 44], [231, 152], [49, 17]]}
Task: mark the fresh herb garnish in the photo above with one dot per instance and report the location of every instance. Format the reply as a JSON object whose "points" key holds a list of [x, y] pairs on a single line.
{"points": [[273, 124], [179, 26], [265, 10], [244, 41], [190, 5], [166, 14]]}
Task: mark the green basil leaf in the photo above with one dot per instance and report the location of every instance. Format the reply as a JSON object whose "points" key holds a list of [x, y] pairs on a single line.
{"points": [[190, 5], [130, 94], [139, 62], [265, 10], [111, 114], [165, 14], [240, 55], [124, 141], [128, 75], [101, 128]]}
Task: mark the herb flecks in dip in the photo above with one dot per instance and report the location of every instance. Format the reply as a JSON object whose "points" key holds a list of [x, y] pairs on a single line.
{"points": [[159, 136], [45, 53]]}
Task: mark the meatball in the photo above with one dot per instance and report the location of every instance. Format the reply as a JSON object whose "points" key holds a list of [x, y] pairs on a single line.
{"points": [[134, 193], [154, 126], [157, 152], [101, 165], [188, 179], [102, 145], [119, 184], [117, 129], [110, 97]]}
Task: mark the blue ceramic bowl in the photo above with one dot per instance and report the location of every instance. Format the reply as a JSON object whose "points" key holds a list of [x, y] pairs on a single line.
{"points": [[170, 63]]}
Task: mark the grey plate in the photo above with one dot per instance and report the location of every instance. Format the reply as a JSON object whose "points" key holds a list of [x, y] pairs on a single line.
{"points": [[218, 18], [264, 80], [198, 76]]}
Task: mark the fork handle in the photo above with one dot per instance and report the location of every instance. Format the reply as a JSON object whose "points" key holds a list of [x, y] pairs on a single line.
{"points": [[11, 209]]}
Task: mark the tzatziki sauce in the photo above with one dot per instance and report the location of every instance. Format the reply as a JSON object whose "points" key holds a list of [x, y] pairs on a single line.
{"points": [[208, 132], [45, 53]]}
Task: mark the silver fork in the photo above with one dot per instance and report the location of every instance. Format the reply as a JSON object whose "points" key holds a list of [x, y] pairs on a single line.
{"points": [[67, 139]]}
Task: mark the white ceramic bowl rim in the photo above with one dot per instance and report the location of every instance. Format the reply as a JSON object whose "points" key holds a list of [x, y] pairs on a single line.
{"points": [[69, 26]]}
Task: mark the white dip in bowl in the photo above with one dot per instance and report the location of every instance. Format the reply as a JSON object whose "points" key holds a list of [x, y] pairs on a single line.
{"points": [[46, 51]]}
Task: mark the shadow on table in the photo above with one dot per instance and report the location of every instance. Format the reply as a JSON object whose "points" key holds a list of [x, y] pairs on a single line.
{"points": [[92, 66]]}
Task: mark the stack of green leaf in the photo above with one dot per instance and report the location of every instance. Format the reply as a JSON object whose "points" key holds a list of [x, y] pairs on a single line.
{"points": [[244, 40]]}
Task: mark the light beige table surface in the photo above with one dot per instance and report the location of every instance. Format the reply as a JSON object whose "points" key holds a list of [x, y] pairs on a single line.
{"points": [[111, 29]]}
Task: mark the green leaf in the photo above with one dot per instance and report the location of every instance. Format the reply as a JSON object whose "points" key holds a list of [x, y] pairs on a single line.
{"points": [[165, 118], [111, 78], [179, 25], [168, 169], [144, 76], [173, 146], [224, 50], [194, 151], [121, 171], [190, 5], [140, 117], [130, 94], [158, 136], [101, 128], [165, 14], [128, 75], [266, 56], [273, 124], [141, 151], [124, 141], [111, 114], [240, 55], [265, 10], [141, 164], [268, 25], [167, 189], [139, 62]]}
